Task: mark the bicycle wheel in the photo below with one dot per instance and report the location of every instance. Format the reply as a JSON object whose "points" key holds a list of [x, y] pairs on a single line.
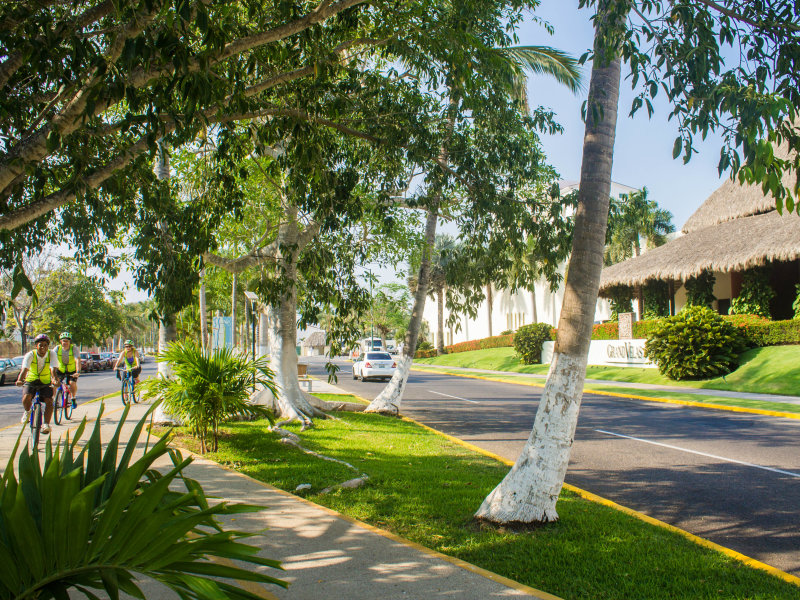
{"points": [[58, 406], [134, 395], [125, 390], [68, 407], [36, 426]]}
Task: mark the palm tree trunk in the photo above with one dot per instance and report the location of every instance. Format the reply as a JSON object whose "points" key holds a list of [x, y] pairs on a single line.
{"points": [[440, 321], [233, 311], [489, 305], [533, 303], [529, 491], [203, 310]]}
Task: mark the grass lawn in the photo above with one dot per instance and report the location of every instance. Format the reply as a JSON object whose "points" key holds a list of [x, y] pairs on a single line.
{"points": [[770, 370], [426, 488]]}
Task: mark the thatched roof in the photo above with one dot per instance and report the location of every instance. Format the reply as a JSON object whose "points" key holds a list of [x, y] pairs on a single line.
{"points": [[732, 200], [315, 339], [732, 245]]}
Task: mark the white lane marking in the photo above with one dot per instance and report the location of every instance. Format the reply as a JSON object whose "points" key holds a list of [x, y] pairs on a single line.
{"points": [[456, 397], [731, 460]]}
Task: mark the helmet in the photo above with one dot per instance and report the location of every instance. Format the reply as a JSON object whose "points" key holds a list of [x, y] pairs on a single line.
{"points": [[42, 337], [128, 343], [65, 335]]}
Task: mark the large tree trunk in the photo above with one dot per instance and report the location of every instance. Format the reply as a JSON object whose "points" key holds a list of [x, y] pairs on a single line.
{"points": [[530, 490], [291, 403], [489, 305], [440, 321], [203, 316], [389, 400]]}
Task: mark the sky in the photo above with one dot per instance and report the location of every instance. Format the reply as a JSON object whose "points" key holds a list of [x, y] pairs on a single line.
{"points": [[643, 148]]}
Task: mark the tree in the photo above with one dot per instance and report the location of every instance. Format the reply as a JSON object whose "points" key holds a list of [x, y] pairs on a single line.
{"points": [[78, 304], [686, 62], [634, 217], [390, 310], [27, 308], [443, 250]]}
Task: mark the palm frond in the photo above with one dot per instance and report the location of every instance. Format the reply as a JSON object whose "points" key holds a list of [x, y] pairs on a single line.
{"points": [[544, 60]]}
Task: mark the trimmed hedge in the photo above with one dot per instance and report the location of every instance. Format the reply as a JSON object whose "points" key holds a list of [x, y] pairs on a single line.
{"points": [[425, 353], [497, 341], [610, 330]]}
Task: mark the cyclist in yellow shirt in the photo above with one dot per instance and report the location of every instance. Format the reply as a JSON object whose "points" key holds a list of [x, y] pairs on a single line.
{"points": [[68, 363], [130, 357], [37, 375]]}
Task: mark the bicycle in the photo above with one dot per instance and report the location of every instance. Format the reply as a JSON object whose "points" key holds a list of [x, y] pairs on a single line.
{"points": [[128, 387], [63, 401], [36, 421]]}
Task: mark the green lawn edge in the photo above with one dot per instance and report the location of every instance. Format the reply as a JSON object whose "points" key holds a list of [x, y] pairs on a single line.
{"points": [[425, 487]]}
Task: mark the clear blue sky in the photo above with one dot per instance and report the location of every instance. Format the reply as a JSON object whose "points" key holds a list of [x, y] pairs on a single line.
{"points": [[643, 149]]}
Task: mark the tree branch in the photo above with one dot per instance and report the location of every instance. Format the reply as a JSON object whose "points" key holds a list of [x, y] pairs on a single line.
{"points": [[743, 19]]}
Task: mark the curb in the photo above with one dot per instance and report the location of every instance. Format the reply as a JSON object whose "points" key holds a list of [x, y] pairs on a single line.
{"points": [[740, 409]]}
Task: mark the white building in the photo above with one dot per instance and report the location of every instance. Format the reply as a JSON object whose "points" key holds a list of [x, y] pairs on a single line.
{"points": [[512, 310]]}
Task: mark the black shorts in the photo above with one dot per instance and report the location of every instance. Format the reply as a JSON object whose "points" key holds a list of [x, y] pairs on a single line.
{"points": [[45, 389], [61, 375]]}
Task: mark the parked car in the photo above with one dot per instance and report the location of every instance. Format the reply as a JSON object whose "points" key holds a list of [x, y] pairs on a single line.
{"points": [[9, 370], [374, 365], [109, 358], [101, 364], [88, 363]]}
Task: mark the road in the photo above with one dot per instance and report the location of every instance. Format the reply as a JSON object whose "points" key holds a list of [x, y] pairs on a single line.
{"points": [[728, 477], [90, 385]]}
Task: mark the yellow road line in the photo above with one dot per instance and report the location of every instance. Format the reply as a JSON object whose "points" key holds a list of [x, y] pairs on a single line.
{"points": [[740, 409], [629, 511]]}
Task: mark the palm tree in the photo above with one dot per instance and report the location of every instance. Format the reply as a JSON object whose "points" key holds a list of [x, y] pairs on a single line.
{"points": [[529, 491], [631, 218], [443, 249]]}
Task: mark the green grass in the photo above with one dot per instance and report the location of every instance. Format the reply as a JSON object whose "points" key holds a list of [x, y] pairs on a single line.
{"points": [[340, 398], [770, 370], [426, 488]]}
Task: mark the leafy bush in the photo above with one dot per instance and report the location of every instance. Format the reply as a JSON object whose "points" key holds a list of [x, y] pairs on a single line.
{"points": [[426, 353], [656, 299], [620, 297], [756, 294], [424, 345], [700, 290], [772, 333], [610, 330], [208, 388], [796, 303], [89, 521], [507, 332], [696, 343], [529, 339], [497, 341]]}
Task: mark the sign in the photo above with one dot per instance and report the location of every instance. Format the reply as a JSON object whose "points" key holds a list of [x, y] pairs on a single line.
{"points": [[626, 326], [222, 332], [619, 353]]}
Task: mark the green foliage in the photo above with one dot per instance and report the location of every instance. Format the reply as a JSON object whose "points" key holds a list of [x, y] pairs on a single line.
{"points": [[756, 294], [610, 330], [796, 303], [503, 340], [208, 388], [79, 304], [427, 353], [771, 333], [86, 521], [528, 341], [700, 289], [390, 310], [621, 297], [507, 332], [656, 299], [632, 217], [697, 343]]}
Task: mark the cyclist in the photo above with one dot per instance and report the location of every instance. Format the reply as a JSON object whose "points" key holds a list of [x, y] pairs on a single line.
{"points": [[68, 364], [37, 375], [131, 358]]}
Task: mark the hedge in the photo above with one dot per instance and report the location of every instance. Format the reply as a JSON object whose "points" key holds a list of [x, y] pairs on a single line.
{"points": [[610, 330], [497, 341], [425, 353]]}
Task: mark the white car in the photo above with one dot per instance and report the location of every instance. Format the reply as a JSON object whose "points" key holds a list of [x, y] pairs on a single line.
{"points": [[374, 365]]}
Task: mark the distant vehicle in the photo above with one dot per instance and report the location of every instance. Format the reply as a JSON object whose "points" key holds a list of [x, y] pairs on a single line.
{"points": [[101, 364], [373, 344], [374, 365], [88, 363], [9, 370], [109, 358]]}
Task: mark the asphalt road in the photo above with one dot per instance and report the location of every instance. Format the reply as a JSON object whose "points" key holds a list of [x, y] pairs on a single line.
{"points": [[728, 477], [90, 386]]}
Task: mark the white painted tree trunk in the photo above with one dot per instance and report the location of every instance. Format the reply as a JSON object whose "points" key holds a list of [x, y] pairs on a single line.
{"points": [[166, 335], [291, 403], [262, 349], [391, 397], [529, 492]]}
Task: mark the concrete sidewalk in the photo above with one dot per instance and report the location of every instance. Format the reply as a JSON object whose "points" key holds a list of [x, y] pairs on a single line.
{"points": [[627, 384], [325, 554]]}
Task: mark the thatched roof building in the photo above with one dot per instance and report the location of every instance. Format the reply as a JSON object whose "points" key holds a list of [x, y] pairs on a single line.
{"points": [[735, 229], [315, 340]]}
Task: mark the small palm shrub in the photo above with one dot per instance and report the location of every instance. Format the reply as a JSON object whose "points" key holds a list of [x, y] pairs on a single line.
{"points": [[756, 294], [90, 520], [528, 341], [696, 343], [796, 303], [209, 388]]}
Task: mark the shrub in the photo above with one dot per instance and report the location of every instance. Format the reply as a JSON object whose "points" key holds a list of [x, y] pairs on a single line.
{"points": [[497, 341], [424, 345], [656, 299], [620, 297], [796, 303], [610, 330], [507, 332], [697, 343], [430, 353], [209, 388], [772, 333], [756, 294], [529, 339], [700, 289], [91, 519]]}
